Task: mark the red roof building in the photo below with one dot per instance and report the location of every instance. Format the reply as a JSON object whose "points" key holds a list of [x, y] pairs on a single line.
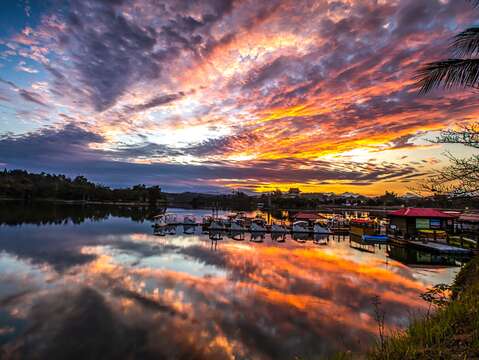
{"points": [[469, 217], [469, 222], [409, 221], [421, 213], [308, 216]]}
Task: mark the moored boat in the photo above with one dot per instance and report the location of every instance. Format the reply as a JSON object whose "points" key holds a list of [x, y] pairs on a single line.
{"points": [[258, 225], [278, 228], [189, 219], [318, 228], [375, 239], [237, 225], [163, 220], [217, 225], [189, 229], [171, 229], [360, 227], [301, 227]]}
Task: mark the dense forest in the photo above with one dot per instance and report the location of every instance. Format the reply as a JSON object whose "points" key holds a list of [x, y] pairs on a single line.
{"points": [[58, 213], [20, 184], [234, 201], [388, 199]]}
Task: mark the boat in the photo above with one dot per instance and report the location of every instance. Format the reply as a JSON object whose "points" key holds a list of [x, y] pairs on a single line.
{"points": [[189, 219], [318, 228], [159, 231], [206, 220], [217, 224], [258, 225], [189, 229], [301, 227], [237, 225], [360, 227], [205, 223], [278, 228], [164, 220], [171, 229], [375, 239]]}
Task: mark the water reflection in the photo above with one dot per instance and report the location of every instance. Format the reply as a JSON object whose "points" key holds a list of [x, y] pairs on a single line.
{"points": [[111, 289]]}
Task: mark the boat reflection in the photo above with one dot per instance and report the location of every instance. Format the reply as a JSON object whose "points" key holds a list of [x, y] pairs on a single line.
{"points": [[411, 256], [121, 292], [321, 239], [278, 237], [216, 235], [301, 237], [257, 237], [237, 235]]}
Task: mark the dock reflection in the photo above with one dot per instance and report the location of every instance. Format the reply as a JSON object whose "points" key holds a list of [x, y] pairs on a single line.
{"points": [[122, 292]]}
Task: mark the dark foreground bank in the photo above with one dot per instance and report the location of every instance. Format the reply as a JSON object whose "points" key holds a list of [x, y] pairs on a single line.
{"points": [[451, 333]]}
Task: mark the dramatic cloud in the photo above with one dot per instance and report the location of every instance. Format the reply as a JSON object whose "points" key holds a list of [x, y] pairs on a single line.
{"points": [[39, 151], [32, 97], [157, 101], [317, 86], [69, 143]]}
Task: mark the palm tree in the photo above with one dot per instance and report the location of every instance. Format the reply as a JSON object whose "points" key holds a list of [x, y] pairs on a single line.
{"points": [[461, 176], [460, 71]]}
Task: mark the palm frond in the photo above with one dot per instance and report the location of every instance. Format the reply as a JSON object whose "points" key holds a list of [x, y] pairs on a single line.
{"points": [[466, 43], [474, 2], [448, 74]]}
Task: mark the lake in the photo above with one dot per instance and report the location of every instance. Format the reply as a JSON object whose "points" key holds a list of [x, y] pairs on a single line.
{"points": [[94, 282]]}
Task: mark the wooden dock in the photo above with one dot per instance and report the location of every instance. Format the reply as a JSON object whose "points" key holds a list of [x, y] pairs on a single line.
{"points": [[439, 248]]}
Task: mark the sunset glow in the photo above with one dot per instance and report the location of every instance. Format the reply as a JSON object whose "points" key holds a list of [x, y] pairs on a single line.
{"points": [[228, 94]]}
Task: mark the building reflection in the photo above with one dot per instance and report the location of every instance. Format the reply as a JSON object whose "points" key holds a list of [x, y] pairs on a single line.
{"points": [[123, 293]]}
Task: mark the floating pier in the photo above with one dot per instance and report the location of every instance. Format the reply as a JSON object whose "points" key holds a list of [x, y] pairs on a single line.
{"points": [[439, 248]]}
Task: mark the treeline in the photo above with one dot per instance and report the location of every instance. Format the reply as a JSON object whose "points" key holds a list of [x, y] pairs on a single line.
{"points": [[57, 213], [235, 201], [388, 199], [20, 184]]}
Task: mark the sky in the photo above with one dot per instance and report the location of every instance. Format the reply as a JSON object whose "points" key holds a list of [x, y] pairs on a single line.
{"points": [[222, 95]]}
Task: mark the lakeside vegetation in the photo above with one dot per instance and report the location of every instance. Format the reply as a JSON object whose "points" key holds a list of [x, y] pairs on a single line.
{"points": [[26, 186], [388, 199], [57, 213], [452, 332], [23, 185]]}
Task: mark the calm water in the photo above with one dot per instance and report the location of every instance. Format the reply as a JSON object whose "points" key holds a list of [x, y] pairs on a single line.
{"points": [[95, 283]]}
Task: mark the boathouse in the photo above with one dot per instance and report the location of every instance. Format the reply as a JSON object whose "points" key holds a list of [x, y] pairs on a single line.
{"points": [[468, 222], [410, 221], [308, 216]]}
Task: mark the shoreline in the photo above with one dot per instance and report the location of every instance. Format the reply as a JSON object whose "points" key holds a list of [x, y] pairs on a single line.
{"points": [[320, 208], [451, 332]]}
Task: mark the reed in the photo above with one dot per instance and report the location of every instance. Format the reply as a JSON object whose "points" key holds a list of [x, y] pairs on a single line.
{"points": [[452, 332]]}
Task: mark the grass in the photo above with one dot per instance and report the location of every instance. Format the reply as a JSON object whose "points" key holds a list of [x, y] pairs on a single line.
{"points": [[452, 332]]}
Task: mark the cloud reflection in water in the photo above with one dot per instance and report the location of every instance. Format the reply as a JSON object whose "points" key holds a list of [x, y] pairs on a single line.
{"points": [[134, 295]]}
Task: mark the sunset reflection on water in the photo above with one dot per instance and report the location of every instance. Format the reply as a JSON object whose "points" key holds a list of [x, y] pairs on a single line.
{"points": [[111, 289]]}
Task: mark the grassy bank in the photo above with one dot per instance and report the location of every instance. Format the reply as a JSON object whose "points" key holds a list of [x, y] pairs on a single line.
{"points": [[452, 332]]}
